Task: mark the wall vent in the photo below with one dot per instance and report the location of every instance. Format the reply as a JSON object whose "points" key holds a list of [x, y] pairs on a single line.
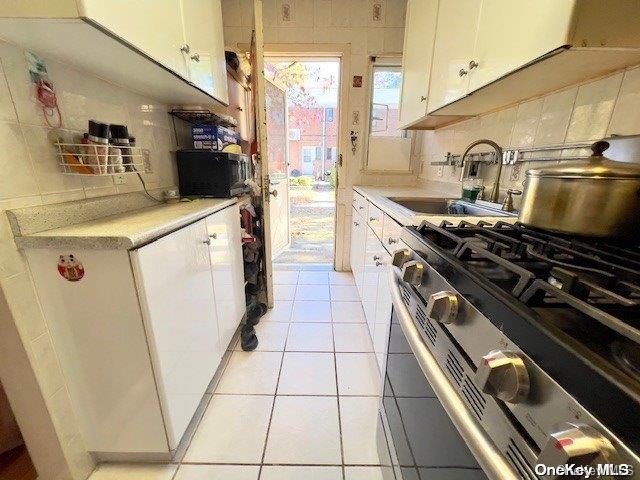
{"points": [[519, 462], [473, 396]]}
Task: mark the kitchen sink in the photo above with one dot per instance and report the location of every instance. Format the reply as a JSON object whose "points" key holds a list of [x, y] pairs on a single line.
{"points": [[450, 206]]}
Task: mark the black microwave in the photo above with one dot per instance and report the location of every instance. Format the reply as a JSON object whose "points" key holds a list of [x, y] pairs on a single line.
{"points": [[210, 173]]}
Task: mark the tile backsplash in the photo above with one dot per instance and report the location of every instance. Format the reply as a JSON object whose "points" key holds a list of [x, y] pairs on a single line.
{"points": [[31, 176], [582, 113]]}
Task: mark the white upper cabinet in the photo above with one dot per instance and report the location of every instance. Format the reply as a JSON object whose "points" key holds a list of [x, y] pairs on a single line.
{"points": [[488, 54], [419, 34], [503, 46], [205, 45], [453, 49], [152, 26], [162, 48]]}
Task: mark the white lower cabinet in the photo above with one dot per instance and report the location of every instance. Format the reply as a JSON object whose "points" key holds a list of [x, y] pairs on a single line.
{"points": [[370, 263], [141, 335], [173, 275], [370, 277], [227, 270], [357, 251], [382, 322]]}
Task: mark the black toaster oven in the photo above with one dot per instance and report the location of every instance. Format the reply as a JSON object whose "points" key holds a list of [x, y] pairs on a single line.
{"points": [[211, 173]]}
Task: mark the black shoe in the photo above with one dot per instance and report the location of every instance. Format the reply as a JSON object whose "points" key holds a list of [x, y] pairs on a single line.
{"points": [[248, 338]]}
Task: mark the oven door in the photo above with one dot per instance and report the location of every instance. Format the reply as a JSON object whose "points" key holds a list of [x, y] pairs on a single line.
{"points": [[434, 435]]}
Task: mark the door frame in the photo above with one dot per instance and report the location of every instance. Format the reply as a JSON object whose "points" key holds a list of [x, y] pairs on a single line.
{"points": [[342, 52]]}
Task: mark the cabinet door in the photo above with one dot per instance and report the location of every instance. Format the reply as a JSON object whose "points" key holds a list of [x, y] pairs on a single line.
{"points": [[455, 41], [504, 43], [358, 226], [202, 21], [152, 26], [225, 253], [383, 313], [419, 35], [372, 256], [240, 108], [173, 276]]}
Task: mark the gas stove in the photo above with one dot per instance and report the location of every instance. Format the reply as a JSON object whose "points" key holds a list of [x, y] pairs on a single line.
{"points": [[546, 327]]}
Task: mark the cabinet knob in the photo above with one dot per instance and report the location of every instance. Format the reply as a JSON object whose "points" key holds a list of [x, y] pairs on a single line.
{"points": [[462, 72], [356, 223], [376, 257], [213, 235], [373, 219], [195, 57], [423, 98], [207, 241], [473, 64], [185, 48], [392, 240], [378, 263]]}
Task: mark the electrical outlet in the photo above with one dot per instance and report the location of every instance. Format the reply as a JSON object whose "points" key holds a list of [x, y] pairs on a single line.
{"points": [[119, 179], [146, 160], [440, 170]]}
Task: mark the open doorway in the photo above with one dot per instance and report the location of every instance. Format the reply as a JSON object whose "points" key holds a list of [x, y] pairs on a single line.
{"points": [[302, 134]]}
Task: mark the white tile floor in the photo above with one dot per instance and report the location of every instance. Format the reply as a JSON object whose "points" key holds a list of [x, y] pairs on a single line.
{"points": [[302, 406]]}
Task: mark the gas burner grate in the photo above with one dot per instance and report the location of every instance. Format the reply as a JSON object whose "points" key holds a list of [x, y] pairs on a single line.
{"points": [[598, 279]]}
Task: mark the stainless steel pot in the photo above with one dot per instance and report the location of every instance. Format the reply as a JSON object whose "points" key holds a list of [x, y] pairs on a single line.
{"points": [[597, 197]]}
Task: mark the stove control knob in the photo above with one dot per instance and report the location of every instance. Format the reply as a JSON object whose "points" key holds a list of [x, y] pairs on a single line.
{"points": [[443, 307], [577, 444], [503, 375], [413, 273], [400, 257]]}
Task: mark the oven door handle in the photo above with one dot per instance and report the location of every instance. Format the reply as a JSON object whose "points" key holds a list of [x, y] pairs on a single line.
{"points": [[482, 447]]}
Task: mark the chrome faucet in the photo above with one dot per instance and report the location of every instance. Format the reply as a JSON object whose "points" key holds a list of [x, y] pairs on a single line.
{"points": [[495, 191]]}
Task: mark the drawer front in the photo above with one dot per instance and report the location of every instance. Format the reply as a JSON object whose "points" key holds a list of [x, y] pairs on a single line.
{"points": [[359, 204], [375, 219], [391, 232]]}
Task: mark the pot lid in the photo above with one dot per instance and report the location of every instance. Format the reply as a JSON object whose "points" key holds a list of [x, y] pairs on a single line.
{"points": [[596, 166]]}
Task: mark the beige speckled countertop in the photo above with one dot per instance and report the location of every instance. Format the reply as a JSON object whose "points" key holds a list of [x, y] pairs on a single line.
{"points": [[125, 230], [379, 196]]}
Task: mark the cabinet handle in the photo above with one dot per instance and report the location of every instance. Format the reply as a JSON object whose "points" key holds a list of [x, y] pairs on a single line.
{"points": [[391, 240], [356, 223], [379, 263], [423, 98], [361, 207], [185, 48], [207, 241], [473, 64], [462, 72], [195, 57], [376, 257], [373, 219], [213, 235]]}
